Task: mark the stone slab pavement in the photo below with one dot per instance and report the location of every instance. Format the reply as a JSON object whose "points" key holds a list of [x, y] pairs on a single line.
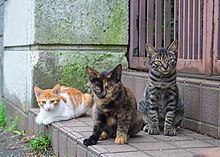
{"points": [[68, 136]]}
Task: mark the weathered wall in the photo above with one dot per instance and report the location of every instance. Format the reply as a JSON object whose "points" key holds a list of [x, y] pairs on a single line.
{"points": [[1, 45], [52, 41]]}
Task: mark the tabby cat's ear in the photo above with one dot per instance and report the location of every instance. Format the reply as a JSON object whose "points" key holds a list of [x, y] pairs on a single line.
{"points": [[92, 73], [150, 50], [56, 89], [173, 47], [37, 91], [116, 73]]}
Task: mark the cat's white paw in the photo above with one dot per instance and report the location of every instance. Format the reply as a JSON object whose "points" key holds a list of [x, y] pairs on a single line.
{"points": [[39, 121], [47, 121]]}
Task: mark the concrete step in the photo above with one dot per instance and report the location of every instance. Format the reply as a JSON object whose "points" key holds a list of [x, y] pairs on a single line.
{"points": [[68, 136]]}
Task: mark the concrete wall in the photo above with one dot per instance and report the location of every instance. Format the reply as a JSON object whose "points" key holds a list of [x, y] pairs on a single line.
{"points": [[48, 42], [1, 45]]}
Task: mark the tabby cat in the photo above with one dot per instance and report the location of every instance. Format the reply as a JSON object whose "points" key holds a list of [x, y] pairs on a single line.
{"points": [[61, 103], [161, 107], [115, 111]]}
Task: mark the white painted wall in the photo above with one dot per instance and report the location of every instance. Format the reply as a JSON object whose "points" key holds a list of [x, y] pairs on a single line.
{"points": [[18, 22], [17, 78]]}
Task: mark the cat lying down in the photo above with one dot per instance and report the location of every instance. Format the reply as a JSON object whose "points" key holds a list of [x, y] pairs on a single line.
{"points": [[61, 103]]}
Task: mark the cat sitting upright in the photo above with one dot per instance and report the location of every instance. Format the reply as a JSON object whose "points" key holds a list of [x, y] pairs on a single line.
{"points": [[61, 103], [161, 107], [115, 111]]}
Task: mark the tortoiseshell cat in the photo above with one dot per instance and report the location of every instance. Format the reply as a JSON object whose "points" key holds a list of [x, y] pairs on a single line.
{"points": [[161, 107], [115, 111]]}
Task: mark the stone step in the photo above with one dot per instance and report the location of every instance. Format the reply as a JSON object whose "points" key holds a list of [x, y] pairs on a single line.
{"points": [[68, 136]]}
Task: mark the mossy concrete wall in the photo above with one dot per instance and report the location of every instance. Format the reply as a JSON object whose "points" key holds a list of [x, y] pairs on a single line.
{"points": [[68, 68], [52, 41], [81, 22]]}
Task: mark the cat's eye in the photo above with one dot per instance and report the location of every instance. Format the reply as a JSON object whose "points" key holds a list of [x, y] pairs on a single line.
{"points": [[97, 88], [52, 101], [109, 87], [172, 61], [43, 102], [156, 63]]}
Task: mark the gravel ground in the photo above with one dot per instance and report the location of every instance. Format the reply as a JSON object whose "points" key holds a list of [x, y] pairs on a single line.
{"points": [[12, 145]]}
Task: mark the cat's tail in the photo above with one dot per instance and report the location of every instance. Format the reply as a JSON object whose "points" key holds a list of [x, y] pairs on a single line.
{"points": [[88, 100]]}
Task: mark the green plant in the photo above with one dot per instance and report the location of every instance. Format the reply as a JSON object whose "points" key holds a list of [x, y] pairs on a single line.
{"points": [[40, 143], [14, 124], [20, 132], [3, 118]]}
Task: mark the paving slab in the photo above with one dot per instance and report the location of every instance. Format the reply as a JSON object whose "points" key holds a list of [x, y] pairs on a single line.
{"points": [[69, 136]]}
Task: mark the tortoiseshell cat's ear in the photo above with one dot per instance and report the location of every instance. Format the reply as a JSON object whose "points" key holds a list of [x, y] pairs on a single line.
{"points": [[56, 89], [173, 47], [37, 91], [116, 73], [92, 73], [150, 50]]}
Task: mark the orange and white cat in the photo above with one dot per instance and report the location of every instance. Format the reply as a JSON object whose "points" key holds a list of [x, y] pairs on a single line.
{"points": [[61, 103]]}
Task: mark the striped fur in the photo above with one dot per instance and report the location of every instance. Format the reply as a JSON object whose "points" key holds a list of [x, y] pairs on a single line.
{"points": [[161, 107], [61, 103], [115, 111]]}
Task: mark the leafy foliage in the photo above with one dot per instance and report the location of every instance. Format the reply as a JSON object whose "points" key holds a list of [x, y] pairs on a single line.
{"points": [[3, 118], [14, 124], [40, 143]]}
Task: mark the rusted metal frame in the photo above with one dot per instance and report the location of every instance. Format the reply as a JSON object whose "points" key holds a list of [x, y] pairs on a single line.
{"points": [[133, 36], [208, 36], [216, 38], [185, 28], [176, 16], [180, 30], [200, 29], [190, 29], [167, 22], [150, 21], [158, 23], [195, 30], [142, 29]]}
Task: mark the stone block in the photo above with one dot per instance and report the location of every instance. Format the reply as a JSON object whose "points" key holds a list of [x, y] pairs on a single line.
{"points": [[31, 123], [127, 154], [81, 22], [1, 19], [209, 152], [153, 145], [81, 151], [62, 145], [140, 84], [55, 141], [209, 130], [170, 153], [18, 23], [190, 144], [209, 105], [192, 102], [71, 147], [18, 92]]}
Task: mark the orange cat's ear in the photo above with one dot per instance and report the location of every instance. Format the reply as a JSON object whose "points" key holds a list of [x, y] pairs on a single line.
{"points": [[92, 73], [116, 72], [56, 89], [37, 91]]}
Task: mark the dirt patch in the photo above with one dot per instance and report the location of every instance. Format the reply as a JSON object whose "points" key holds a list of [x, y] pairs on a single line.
{"points": [[14, 145]]}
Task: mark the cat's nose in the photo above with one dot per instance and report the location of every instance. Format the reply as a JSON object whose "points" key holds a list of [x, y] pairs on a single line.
{"points": [[48, 108], [103, 94]]}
